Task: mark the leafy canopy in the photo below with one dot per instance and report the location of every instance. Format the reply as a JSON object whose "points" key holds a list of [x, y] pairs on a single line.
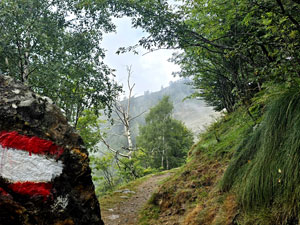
{"points": [[231, 49]]}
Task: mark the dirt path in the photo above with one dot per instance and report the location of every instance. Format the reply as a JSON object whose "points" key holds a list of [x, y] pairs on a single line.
{"points": [[126, 212]]}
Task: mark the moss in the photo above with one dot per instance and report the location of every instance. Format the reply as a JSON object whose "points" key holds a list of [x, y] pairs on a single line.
{"points": [[148, 215]]}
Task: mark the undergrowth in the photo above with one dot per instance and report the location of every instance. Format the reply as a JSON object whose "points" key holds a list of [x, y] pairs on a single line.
{"points": [[265, 169], [191, 196], [243, 171]]}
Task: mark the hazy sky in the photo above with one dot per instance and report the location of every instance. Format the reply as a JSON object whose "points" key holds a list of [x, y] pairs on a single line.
{"points": [[150, 71]]}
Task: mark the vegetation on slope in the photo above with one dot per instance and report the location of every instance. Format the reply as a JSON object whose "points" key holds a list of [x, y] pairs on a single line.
{"points": [[261, 183], [265, 169], [192, 196]]}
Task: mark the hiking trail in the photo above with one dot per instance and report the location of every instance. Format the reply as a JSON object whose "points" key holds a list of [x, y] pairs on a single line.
{"points": [[126, 212]]}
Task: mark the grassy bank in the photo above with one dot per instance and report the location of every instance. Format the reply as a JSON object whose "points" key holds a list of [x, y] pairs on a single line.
{"points": [[192, 196], [244, 170]]}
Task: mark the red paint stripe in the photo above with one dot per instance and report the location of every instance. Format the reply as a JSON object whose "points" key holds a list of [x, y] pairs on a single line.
{"points": [[31, 144], [3, 192], [31, 188]]}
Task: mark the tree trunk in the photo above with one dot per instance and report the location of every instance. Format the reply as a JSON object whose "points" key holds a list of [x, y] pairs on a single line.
{"points": [[129, 139], [162, 158], [167, 161]]}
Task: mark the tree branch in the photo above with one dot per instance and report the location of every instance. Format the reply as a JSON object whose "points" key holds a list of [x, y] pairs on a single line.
{"points": [[113, 150], [292, 19]]}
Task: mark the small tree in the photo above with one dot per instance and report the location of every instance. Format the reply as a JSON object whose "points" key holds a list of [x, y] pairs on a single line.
{"points": [[165, 140]]}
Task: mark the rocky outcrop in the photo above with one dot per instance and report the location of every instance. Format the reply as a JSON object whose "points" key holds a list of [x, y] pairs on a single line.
{"points": [[45, 176]]}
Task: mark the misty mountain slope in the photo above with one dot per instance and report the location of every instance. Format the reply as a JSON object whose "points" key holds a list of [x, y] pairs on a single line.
{"points": [[195, 114]]}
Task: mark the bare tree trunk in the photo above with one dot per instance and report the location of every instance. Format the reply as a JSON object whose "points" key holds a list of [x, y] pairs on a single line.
{"points": [[162, 158], [26, 68], [112, 149], [129, 140], [7, 64], [167, 161], [123, 113]]}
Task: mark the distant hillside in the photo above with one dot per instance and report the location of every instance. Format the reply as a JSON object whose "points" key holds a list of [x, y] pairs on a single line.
{"points": [[193, 112]]}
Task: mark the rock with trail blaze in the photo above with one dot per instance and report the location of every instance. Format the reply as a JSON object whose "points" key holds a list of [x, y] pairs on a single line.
{"points": [[45, 176]]}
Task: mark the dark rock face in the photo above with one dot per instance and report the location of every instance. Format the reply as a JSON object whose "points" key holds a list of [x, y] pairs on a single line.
{"points": [[45, 176]]}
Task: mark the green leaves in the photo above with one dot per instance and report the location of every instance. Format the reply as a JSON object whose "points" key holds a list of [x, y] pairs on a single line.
{"points": [[164, 139], [89, 128], [227, 45], [54, 47]]}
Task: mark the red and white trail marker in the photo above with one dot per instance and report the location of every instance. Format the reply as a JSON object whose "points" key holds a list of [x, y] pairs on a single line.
{"points": [[29, 163]]}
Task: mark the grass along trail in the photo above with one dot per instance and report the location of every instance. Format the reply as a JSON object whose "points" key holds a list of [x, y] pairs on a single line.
{"points": [[122, 207]]}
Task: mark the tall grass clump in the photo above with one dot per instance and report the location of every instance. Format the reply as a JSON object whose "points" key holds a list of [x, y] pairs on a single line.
{"points": [[241, 159], [266, 168]]}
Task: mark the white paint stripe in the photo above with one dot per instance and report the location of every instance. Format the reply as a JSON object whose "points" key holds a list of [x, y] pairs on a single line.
{"points": [[19, 166]]}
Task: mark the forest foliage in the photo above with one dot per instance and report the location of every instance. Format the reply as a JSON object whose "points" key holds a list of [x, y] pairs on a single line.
{"points": [[232, 49], [53, 46]]}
